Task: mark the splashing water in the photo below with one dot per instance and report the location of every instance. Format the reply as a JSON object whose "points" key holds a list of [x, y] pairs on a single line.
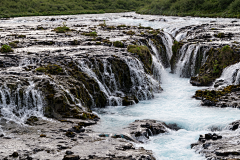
{"points": [[20, 105], [173, 105]]}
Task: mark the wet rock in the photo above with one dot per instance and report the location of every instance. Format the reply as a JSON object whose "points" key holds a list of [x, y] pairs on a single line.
{"points": [[142, 129], [234, 125]]}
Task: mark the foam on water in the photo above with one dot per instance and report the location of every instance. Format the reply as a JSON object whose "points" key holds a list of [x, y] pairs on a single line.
{"points": [[173, 105]]}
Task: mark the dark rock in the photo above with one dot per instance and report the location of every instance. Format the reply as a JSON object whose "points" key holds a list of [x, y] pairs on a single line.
{"points": [[193, 144], [70, 134], [15, 154], [141, 129], [234, 126], [207, 102], [69, 152], [71, 157], [174, 126], [206, 145], [208, 136]]}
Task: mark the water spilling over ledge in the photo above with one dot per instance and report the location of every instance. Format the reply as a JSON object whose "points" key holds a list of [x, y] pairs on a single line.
{"points": [[106, 63]]}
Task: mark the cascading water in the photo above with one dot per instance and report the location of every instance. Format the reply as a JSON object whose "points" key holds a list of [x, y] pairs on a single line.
{"points": [[16, 106], [173, 105], [230, 75]]}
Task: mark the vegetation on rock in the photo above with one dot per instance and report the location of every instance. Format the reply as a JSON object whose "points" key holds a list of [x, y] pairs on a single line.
{"points": [[62, 29], [175, 49], [214, 95], [51, 69], [5, 49], [218, 59], [118, 44], [144, 55], [92, 34]]}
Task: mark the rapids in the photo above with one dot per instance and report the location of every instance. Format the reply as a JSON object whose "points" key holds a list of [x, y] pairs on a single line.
{"points": [[173, 105]]}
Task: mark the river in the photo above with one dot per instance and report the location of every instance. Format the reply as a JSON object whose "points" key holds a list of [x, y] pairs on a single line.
{"points": [[173, 105]]}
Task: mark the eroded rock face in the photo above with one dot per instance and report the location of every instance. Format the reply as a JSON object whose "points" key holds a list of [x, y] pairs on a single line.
{"points": [[64, 75], [223, 145]]}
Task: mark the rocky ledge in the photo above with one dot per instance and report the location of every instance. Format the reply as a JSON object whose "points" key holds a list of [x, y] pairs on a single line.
{"points": [[68, 139], [140, 130], [221, 146], [222, 97]]}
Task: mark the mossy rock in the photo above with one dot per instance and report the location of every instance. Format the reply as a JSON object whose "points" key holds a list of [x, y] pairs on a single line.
{"points": [[144, 55], [62, 29], [218, 59], [214, 95], [175, 49], [118, 44], [129, 32], [50, 69], [31, 120], [122, 74], [5, 49], [91, 34], [13, 44]]}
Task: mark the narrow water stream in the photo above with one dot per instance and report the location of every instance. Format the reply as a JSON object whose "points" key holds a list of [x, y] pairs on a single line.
{"points": [[173, 105]]}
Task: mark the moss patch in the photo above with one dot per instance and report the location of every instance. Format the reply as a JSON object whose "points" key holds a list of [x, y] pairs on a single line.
{"points": [[144, 55], [118, 44], [213, 95], [5, 49], [50, 69], [62, 29]]}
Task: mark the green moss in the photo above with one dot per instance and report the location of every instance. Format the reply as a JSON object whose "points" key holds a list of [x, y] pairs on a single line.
{"points": [[98, 43], [62, 29], [75, 42], [118, 44], [175, 49], [50, 69], [111, 27], [5, 49], [92, 34], [21, 36], [218, 59], [13, 44], [144, 55], [219, 35], [154, 32], [130, 33], [121, 26], [213, 95]]}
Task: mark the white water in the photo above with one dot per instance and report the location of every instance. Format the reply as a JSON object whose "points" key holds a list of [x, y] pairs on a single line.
{"points": [[231, 75], [173, 105], [29, 104]]}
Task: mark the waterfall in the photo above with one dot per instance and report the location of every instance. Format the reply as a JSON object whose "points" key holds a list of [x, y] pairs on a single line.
{"points": [[20, 104], [168, 43], [190, 59], [184, 61], [230, 75]]}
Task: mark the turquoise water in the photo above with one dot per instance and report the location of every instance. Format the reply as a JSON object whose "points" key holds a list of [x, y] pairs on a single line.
{"points": [[173, 105]]}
